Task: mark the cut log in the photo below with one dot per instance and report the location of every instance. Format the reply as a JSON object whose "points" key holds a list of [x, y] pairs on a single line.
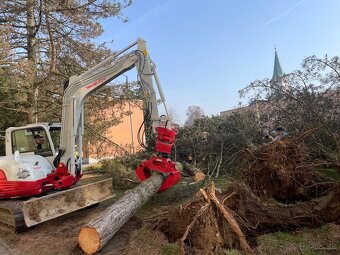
{"points": [[99, 231], [190, 169], [193, 171]]}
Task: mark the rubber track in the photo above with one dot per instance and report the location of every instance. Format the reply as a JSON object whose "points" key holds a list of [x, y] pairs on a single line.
{"points": [[11, 217]]}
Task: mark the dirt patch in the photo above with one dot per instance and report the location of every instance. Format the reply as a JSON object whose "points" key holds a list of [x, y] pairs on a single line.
{"points": [[59, 236]]}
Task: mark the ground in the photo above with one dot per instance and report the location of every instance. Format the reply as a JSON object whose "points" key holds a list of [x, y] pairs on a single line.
{"points": [[59, 236], [320, 241]]}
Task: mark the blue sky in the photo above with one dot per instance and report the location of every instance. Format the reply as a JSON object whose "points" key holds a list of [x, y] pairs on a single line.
{"points": [[206, 51]]}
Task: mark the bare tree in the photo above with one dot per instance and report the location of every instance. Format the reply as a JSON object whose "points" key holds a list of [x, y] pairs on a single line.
{"points": [[194, 112]]}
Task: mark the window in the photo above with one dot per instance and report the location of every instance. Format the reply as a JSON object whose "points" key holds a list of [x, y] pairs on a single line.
{"points": [[23, 141], [55, 135]]}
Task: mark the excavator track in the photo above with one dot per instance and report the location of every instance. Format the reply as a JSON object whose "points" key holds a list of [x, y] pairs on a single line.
{"points": [[11, 216]]}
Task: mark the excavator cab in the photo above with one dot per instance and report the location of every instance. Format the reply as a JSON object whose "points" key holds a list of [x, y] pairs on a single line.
{"points": [[35, 139]]}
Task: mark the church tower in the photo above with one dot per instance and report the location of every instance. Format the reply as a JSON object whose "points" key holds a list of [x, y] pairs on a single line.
{"points": [[279, 83]]}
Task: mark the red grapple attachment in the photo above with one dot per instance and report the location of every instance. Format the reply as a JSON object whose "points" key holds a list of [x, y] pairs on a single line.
{"points": [[165, 141], [161, 165]]}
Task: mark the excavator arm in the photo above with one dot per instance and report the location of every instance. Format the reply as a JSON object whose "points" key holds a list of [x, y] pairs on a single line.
{"points": [[81, 86]]}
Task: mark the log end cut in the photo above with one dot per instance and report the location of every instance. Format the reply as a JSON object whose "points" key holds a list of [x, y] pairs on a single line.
{"points": [[89, 240]]}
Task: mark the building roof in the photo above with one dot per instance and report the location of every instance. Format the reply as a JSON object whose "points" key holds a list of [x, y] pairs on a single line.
{"points": [[278, 70]]}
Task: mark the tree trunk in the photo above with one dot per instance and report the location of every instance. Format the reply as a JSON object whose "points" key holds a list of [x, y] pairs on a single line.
{"points": [[31, 57], [31, 39], [337, 148], [220, 161], [189, 169], [99, 231]]}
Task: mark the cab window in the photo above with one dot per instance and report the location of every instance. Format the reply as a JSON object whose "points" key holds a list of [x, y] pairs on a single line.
{"points": [[31, 140], [55, 135]]}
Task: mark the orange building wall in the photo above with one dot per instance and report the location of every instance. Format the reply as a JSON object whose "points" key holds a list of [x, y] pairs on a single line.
{"points": [[123, 134]]}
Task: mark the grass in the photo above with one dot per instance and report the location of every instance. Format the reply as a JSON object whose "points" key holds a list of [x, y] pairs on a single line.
{"points": [[89, 178], [288, 237], [227, 252], [146, 241], [171, 249], [222, 182], [321, 241], [177, 194], [330, 173], [174, 196]]}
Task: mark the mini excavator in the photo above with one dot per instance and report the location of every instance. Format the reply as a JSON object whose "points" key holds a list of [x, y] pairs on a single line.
{"points": [[39, 183]]}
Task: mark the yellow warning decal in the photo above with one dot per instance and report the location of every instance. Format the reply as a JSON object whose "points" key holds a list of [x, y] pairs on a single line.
{"points": [[145, 52]]}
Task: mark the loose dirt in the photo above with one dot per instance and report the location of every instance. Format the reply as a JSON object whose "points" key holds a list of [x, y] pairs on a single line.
{"points": [[59, 236]]}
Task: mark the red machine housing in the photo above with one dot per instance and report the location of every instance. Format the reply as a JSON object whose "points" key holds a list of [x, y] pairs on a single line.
{"points": [[161, 165], [61, 177], [58, 179]]}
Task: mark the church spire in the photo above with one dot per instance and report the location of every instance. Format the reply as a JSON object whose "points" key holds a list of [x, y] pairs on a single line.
{"points": [[278, 71], [279, 82]]}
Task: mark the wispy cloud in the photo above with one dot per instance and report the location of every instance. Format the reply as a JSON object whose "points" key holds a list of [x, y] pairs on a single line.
{"points": [[282, 14], [149, 15]]}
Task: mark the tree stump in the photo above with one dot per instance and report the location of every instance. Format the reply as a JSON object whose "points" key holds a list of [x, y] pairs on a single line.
{"points": [[99, 231]]}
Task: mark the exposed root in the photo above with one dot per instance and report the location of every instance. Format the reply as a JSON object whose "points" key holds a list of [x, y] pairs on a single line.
{"points": [[282, 170], [201, 211], [231, 221], [206, 224]]}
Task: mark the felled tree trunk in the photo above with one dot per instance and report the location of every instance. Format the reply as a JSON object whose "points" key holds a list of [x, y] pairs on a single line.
{"points": [[99, 231]]}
